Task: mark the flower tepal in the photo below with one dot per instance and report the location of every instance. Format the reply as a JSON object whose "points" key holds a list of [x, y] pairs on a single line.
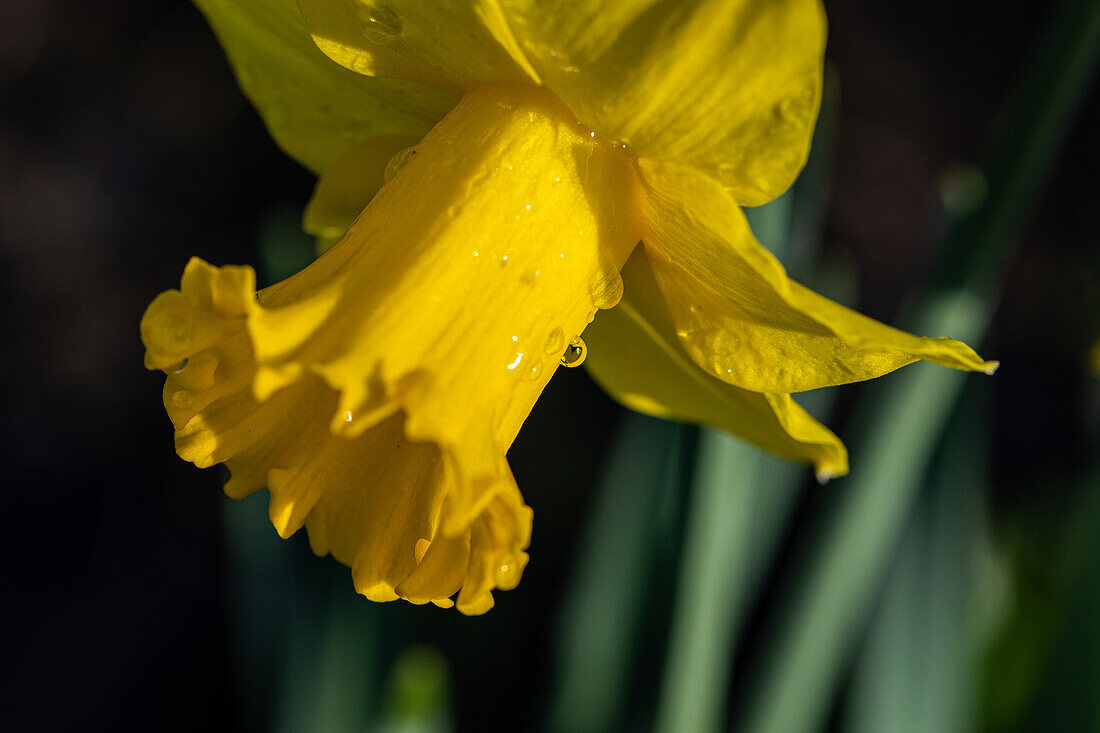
{"points": [[376, 392]]}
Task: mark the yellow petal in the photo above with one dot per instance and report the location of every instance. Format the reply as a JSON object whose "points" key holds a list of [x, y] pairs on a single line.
{"points": [[406, 358], [491, 247], [313, 108], [349, 184], [375, 501], [450, 46], [730, 87], [635, 355], [740, 317]]}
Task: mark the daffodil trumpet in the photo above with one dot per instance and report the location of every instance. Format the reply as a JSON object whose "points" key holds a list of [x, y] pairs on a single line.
{"points": [[376, 393]]}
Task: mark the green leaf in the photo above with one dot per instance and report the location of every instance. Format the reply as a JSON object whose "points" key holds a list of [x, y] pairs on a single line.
{"points": [[603, 610]]}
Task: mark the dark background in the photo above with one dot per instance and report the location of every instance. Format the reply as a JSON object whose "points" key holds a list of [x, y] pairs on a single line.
{"points": [[126, 147]]}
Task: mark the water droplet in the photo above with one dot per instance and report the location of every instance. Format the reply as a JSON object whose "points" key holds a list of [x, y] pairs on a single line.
{"points": [[475, 253], [519, 358], [504, 258], [173, 332], [555, 341], [532, 374], [396, 163], [183, 398], [347, 416], [176, 368], [379, 22], [515, 338], [791, 111], [528, 207], [575, 353]]}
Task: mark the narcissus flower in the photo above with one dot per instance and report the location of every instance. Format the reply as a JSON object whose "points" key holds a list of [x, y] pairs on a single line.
{"points": [[496, 173]]}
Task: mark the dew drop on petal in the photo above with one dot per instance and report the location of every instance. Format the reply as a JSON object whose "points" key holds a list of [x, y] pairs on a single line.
{"points": [[396, 163], [555, 341], [183, 398], [173, 331], [531, 374], [347, 416], [176, 368], [575, 353], [379, 22], [519, 358]]}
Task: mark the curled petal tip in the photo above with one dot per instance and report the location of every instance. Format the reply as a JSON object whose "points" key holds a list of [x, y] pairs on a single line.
{"points": [[990, 367]]}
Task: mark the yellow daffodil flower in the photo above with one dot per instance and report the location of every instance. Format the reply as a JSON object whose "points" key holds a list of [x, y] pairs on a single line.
{"points": [[496, 173]]}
